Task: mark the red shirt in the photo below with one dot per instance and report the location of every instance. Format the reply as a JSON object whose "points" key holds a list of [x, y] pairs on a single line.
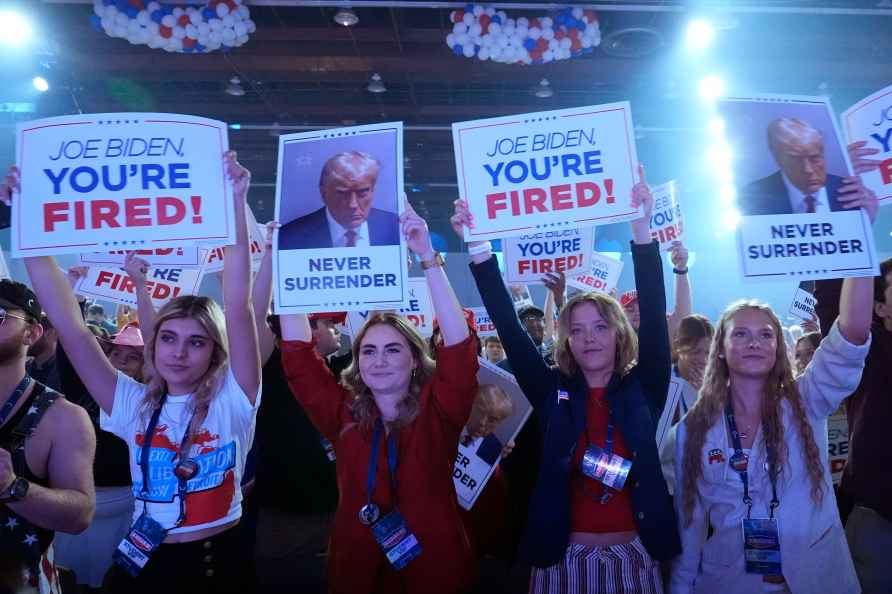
{"points": [[426, 451], [587, 513]]}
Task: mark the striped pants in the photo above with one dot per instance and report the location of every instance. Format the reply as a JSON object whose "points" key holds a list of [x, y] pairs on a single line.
{"points": [[616, 569]]}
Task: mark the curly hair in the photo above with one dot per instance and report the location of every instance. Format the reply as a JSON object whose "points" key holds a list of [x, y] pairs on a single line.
{"points": [[208, 314], [715, 395], [363, 406], [612, 313]]}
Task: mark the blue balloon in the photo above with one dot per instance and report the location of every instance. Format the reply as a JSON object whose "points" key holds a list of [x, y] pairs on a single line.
{"points": [[131, 12], [529, 44], [469, 7], [108, 2], [580, 25], [587, 50], [157, 16], [96, 22], [199, 47], [166, 9], [496, 19], [208, 14], [122, 5], [458, 50]]}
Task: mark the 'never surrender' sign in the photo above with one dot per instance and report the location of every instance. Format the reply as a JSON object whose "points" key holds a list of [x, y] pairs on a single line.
{"points": [[530, 172], [102, 182]]}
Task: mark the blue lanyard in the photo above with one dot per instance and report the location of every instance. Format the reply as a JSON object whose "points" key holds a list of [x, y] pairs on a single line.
{"points": [[744, 474], [14, 399], [373, 461], [144, 462], [606, 493]]}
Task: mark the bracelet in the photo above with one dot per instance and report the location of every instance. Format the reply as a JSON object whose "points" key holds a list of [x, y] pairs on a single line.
{"points": [[677, 271], [481, 248]]}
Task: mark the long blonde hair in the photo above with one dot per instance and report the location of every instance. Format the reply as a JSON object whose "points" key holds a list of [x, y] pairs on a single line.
{"points": [[612, 313], [715, 395], [363, 406], [208, 314]]}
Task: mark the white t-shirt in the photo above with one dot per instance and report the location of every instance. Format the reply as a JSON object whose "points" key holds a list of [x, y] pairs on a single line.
{"points": [[220, 448]]}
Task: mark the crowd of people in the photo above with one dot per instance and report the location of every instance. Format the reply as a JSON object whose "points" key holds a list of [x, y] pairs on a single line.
{"points": [[209, 449]]}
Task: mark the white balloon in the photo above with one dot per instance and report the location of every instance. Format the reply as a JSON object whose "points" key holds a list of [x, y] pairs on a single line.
{"points": [[213, 44], [228, 21], [222, 10], [241, 40], [178, 32], [152, 7], [490, 11], [546, 22], [215, 24], [502, 15], [106, 23], [468, 19], [244, 12], [143, 18], [203, 40], [99, 9], [535, 33], [120, 31], [110, 11], [195, 18], [203, 29], [459, 28], [548, 55], [577, 13], [586, 42], [547, 34], [240, 29], [132, 27], [462, 39], [122, 20], [475, 29], [228, 36], [468, 51], [153, 28], [215, 37], [495, 28], [503, 41], [478, 10], [554, 44], [154, 42], [495, 52], [566, 43], [178, 12], [523, 22], [192, 31], [251, 26], [522, 32], [483, 54], [450, 39], [168, 21]]}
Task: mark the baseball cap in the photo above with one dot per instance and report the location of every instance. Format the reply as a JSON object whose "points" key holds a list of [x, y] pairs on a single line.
{"points": [[15, 295], [628, 297], [529, 310], [338, 317]]}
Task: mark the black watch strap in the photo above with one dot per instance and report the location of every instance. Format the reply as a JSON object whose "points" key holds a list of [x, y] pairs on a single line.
{"points": [[16, 491]]}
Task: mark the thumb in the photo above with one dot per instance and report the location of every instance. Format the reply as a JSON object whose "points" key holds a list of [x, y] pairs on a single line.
{"points": [[641, 177], [407, 204]]}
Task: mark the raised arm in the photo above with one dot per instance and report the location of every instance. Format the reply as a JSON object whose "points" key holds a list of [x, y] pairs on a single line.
{"points": [[244, 355], [556, 283], [447, 309], [684, 302], [262, 295], [61, 307], [136, 269], [654, 365], [526, 361]]}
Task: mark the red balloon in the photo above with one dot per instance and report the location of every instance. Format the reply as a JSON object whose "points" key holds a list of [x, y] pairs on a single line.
{"points": [[542, 44], [576, 45], [232, 5], [484, 29], [559, 34], [459, 16], [165, 32], [534, 22], [189, 42], [137, 4], [591, 16], [485, 20], [183, 20]]}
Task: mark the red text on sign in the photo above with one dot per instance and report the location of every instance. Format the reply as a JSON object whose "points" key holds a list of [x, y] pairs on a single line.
{"points": [[113, 214], [559, 197]]}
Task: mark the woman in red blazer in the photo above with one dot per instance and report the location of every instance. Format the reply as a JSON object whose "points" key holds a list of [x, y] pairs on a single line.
{"points": [[395, 421]]}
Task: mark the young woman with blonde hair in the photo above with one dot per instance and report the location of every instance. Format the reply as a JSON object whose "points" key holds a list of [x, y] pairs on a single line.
{"points": [[188, 428], [601, 518], [395, 421], [753, 493]]}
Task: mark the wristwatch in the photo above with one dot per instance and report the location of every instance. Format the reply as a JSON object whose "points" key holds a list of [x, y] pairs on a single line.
{"points": [[16, 491], [436, 261]]}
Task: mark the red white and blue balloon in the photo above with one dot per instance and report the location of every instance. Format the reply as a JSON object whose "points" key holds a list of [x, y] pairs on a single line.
{"points": [[218, 25], [489, 34]]}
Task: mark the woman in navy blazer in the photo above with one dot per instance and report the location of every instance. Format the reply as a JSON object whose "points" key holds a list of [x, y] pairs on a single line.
{"points": [[581, 535]]}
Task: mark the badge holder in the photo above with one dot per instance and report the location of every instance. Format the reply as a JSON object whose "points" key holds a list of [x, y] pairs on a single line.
{"points": [[602, 465]]}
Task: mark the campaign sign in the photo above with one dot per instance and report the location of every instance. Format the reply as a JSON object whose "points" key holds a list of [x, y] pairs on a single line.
{"points": [[213, 257], [162, 284], [529, 257], [4, 269], [101, 182], [485, 325], [520, 295], [340, 247], [666, 222], [186, 257], [807, 246], [803, 305], [837, 443], [871, 120], [478, 455], [603, 277], [794, 221], [418, 309], [546, 170]]}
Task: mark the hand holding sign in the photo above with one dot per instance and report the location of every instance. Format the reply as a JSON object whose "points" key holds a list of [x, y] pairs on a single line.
{"points": [[239, 175], [461, 218], [418, 237], [11, 185], [857, 152], [557, 284], [854, 194], [679, 255], [75, 273], [136, 268], [641, 197]]}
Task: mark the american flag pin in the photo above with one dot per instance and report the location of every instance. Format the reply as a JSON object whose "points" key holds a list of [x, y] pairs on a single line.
{"points": [[562, 395]]}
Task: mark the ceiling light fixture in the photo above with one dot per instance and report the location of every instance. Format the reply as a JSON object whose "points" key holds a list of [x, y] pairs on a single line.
{"points": [[376, 85], [235, 88], [543, 90], [41, 84], [345, 16]]}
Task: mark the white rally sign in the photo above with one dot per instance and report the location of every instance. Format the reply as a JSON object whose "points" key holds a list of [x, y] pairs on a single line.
{"points": [[870, 120], [163, 284], [603, 277], [529, 257], [417, 309], [803, 305], [101, 182], [666, 223], [541, 171], [485, 325], [185, 257]]}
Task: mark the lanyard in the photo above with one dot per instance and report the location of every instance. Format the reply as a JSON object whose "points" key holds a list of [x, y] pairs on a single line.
{"points": [[373, 459], [739, 462], [606, 494], [14, 398], [144, 462]]}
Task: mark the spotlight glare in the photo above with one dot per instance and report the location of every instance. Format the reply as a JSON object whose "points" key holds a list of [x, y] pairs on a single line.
{"points": [[40, 84], [727, 194], [711, 87], [699, 35], [720, 155], [15, 29], [716, 126], [731, 218]]}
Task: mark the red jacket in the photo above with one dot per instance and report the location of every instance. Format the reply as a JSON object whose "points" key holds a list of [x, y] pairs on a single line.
{"points": [[426, 494]]}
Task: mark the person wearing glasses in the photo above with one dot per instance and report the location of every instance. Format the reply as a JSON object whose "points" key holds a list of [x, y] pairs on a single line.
{"points": [[46, 451]]}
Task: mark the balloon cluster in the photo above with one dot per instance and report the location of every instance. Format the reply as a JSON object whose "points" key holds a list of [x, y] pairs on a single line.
{"points": [[490, 35], [219, 25]]}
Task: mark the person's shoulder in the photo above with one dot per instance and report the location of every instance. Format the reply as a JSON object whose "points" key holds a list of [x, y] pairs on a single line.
{"points": [[308, 219], [383, 216], [66, 417]]}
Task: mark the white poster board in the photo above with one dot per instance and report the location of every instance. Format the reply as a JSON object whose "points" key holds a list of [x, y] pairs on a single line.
{"points": [[666, 222], [182, 257], [603, 277], [837, 444], [102, 182], [803, 304], [530, 257], [794, 223], [547, 170], [475, 462], [214, 257], [870, 120], [4, 268], [485, 325], [163, 284], [418, 309], [331, 253]]}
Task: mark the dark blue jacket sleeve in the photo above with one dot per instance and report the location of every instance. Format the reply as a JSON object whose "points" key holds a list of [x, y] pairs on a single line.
{"points": [[530, 370], [654, 356]]}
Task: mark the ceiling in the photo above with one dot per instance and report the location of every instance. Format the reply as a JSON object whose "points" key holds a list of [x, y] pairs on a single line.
{"points": [[300, 69]]}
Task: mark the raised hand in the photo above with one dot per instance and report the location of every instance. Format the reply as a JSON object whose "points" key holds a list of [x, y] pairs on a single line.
{"points": [[854, 194], [136, 268], [857, 153], [418, 237], [240, 176], [461, 218], [11, 184], [641, 196], [679, 255]]}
